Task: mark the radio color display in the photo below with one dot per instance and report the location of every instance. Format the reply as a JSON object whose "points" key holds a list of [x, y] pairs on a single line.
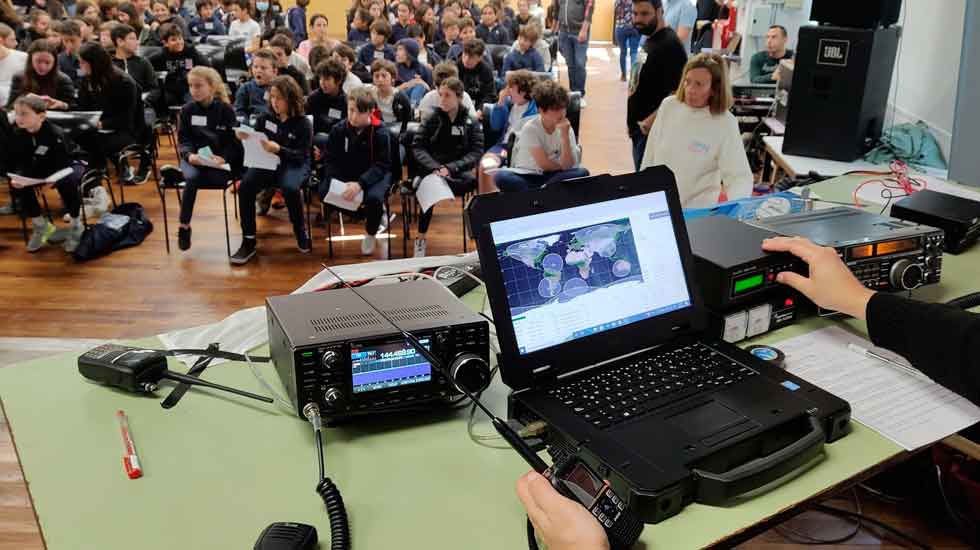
{"points": [[746, 284], [388, 365]]}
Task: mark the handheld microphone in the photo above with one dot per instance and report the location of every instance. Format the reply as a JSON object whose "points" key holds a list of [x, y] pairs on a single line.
{"points": [[570, 476]]}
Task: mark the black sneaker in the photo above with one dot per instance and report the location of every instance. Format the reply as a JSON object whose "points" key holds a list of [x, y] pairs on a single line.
{"points": [[263, 201], [142, 174], [184, 238], [303, 243], [245, 252]]}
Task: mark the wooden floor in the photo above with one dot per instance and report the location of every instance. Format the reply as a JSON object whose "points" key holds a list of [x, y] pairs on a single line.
{"points": [[144, 290]]}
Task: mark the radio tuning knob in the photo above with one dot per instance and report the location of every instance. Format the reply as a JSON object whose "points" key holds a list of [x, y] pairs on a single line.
{"points": [[333, 398], [330, 358], [906, 275], [470, 373]]}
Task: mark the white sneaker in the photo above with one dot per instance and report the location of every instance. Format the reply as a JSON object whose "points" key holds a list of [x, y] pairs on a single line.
{"points": [[367, 244], [419, 248]]}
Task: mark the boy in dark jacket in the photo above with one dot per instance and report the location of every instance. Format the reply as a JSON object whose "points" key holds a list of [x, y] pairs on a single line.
{"points": [[328, 103], [403, 15], [206, 22], [39, 150], [252, 98], [414, 79], [360, 29], [176, 59], [450, 33], [490, 30], [140, 70], [447, 147], [378, 48], [358, 155], [476, 74]]}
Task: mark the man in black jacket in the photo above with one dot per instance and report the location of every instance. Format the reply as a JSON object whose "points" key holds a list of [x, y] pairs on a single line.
{"points": [[476, 74], [655, 75], [447, 149], [176, 59]]}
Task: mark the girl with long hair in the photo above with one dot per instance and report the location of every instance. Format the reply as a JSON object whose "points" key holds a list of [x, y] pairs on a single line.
{"points": [[41, 77]]}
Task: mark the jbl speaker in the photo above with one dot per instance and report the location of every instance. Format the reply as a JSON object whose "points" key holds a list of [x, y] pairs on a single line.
{"points": [[866, 14], [840, 91]]}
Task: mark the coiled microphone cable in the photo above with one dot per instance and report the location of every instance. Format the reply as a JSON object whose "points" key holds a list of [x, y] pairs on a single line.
{"points": [[339, 525]]}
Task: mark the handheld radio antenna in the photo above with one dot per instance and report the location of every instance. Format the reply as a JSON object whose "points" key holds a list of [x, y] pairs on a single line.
{"points": [[505, 431]]}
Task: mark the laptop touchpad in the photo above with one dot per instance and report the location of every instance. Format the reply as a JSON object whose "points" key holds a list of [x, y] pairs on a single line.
{"points": [[705, 419]]}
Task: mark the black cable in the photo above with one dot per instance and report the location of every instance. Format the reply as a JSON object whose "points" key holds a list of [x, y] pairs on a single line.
{"points": [[532, 543], [847, 513], [339, 526], [800, 537], [969, 301]]}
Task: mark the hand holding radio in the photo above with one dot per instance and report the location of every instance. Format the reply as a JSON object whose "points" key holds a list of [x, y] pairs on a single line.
{"points": [[831, 285], [561, 522]]}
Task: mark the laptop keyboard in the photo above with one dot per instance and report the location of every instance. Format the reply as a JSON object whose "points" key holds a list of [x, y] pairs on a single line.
{"points": [[644, 384]]}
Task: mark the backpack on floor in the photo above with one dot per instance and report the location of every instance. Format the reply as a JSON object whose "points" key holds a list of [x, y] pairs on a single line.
{"points": [[126, 226]]}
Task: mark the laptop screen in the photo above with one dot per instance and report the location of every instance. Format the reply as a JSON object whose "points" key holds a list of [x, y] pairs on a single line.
{"points": [[576, 272]]}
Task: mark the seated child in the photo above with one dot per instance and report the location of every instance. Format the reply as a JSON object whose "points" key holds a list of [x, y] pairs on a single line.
{"points": [[545, 151], [358, 154]]}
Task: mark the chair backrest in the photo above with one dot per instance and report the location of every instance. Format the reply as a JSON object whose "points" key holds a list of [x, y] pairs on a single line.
{"points": [[497, 53], [214, 54], [149, 52], [235, 57], [224, 40], [574, 113]]}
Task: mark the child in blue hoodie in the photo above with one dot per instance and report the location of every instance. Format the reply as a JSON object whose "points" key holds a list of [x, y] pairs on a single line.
{"points": [[513, 108], [206, 22], [414, 78]]}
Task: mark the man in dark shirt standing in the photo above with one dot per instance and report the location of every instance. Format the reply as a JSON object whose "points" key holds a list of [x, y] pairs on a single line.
{"points": [[762, 67], [655, 75]]}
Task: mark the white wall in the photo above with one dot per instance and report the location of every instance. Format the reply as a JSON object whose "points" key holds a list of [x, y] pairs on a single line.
{"points": [[927, 68]]}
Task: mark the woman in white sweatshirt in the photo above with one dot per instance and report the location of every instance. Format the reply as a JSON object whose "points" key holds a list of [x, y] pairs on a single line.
{"points": [[697, 137]]}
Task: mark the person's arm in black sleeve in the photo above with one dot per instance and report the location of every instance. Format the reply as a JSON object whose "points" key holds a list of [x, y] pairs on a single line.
{"points": [[941, 341], [185, 144], [382, 145], [474, 139], [148, 80], [298, 148], [423, 138], [487, 86], [124, 97], [230, 148], [403, 110], [65, 91]]}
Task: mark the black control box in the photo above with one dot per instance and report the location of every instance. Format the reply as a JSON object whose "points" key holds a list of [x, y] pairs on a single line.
{"points": [[737, 278], [958, 217], [332, 349]]}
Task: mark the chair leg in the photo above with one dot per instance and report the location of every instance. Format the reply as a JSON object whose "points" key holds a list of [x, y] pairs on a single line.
{"points": [[308, 212], [224, 204], [324, 213], [23, 228], [463, 219], [166, 226], [44, 201], [104, 177], [388, 225], [405, 226]]}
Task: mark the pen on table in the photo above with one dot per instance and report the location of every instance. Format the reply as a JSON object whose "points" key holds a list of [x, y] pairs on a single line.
{"points": [[131, 461], [868, 353]]}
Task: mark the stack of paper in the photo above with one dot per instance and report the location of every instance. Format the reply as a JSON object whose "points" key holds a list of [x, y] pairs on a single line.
{"points": [[431, 190], [255, 155], [910, 410], [20, 182], [335, 196]]}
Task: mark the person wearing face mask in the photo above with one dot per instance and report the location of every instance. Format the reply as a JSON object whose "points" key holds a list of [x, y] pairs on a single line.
{"points": [[270, 14], [697, 137], [656, 73]]}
